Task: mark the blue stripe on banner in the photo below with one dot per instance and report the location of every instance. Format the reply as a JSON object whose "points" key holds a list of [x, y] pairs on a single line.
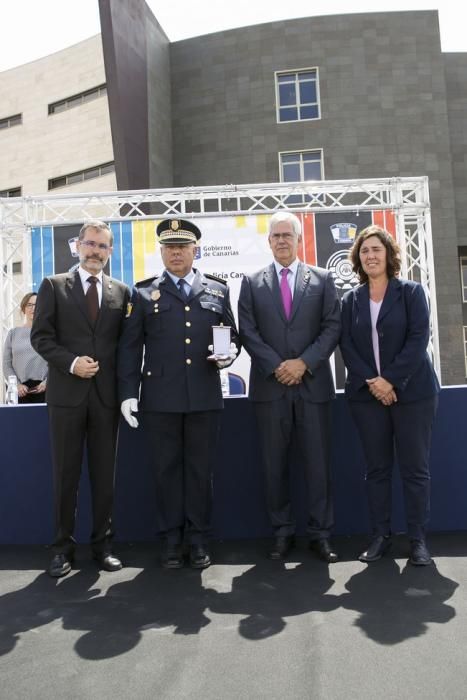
{"points": [[41, 254], [116, 270], [48, 267], [36, 257], [127, 253]]}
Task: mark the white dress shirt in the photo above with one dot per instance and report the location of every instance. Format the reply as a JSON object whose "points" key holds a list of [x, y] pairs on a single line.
{"points": [[188, 279], [83, 275], [291, 277]]}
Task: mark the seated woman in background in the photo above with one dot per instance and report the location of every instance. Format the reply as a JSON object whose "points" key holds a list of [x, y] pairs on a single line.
{"points": [[20, 359], [391, 387]]}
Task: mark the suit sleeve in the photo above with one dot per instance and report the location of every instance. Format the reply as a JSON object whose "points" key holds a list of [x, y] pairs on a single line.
{"points": [[264, 356], [130, 351], [413, 352], [325, 343], [43, 332], [8, 357], [353, 360]]}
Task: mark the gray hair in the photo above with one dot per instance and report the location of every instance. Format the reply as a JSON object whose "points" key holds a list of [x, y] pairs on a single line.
{"points": [[98, 225], [286, 216]]}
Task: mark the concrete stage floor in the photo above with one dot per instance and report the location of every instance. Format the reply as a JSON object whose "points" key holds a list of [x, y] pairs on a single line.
{"points": [[245, 628]]}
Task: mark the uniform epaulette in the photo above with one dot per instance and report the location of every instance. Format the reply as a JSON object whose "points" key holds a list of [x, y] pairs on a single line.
{"points": [[144, 283], [214, 277]]}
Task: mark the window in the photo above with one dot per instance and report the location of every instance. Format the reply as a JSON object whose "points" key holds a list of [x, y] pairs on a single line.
{"points": [[298, 166], [12, 192], [81, 175], [463, 264], [297, 95], [79, 99], [11, 121]]}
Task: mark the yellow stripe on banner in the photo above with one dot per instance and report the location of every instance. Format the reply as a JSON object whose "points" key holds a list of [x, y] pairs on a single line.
{"points": [[240, 221], [262, 223], [144, 244]]}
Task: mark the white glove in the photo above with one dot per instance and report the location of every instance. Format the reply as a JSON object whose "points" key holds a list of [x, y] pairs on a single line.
{"points": [[233, 352], [128, 407]]}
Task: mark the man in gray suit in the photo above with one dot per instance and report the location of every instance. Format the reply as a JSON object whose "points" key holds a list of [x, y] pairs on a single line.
{"points": [[289, 317]]}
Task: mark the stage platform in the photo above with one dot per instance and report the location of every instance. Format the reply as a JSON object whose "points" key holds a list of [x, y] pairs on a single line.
{"points": [[26, 501]]}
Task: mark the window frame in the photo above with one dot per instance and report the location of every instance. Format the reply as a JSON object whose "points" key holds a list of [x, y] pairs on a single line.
{"points": [[77, 100], [296, 71], [79, 176], [17, 192], [463, 263], [299, 200], [301, 152], [11, 121]]}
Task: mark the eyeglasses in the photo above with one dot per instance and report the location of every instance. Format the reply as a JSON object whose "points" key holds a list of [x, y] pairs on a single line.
{"points": [[30, 306], [94, 245], [283, 236]]}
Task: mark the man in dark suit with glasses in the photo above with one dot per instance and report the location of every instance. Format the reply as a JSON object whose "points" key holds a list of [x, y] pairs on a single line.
{"points": [[76, 327]]}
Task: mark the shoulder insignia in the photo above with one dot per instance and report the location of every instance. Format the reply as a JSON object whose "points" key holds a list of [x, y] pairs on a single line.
{"points": [[214, 277], [144, 283]]}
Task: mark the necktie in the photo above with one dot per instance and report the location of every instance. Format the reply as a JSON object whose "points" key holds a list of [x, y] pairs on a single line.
{"points": [[184, 289], [92, 299], [285, 292]]}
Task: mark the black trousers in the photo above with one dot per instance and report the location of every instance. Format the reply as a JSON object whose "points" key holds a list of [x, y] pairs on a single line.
{"points": [[278, 422], [70, 428], [402, 430], [183, 446]]}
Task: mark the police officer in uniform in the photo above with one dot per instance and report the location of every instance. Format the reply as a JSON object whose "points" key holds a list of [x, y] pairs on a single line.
{"points": [[171, 317]]}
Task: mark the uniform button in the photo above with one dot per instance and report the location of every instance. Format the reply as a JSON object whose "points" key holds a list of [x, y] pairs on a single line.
{"points": [[188, 361], [156, 311], [187, 308], [148, 374], [188, 324], [187, 341]]}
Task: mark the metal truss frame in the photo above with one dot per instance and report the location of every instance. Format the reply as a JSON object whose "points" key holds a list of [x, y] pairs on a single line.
{"points": [[407, 198]]}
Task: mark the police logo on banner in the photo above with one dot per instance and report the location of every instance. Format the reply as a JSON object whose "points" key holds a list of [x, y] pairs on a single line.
{"points": [[341, 269], [338, 263], [343, 233]]}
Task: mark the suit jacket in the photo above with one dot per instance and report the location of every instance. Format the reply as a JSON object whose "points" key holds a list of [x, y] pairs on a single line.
{"points": [[62, 331], [176, 377], [403, 328], [311, 332]]}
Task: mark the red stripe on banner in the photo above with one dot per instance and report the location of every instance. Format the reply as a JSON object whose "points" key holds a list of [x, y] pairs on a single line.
{"points": [[390, 223], [378, 218], [309, 238]]}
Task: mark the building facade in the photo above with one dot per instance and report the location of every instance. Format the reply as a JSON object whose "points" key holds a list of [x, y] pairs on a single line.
{"points": [[337, 97]]}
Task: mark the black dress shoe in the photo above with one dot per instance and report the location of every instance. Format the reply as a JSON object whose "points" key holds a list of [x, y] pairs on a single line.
{"points": [[324, 550], [199, 556], [108, 561], [172, 557], [419, 554], [376, 549], [281, 547], [60, 565]]}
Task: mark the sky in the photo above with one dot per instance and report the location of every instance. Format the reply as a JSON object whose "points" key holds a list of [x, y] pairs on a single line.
{"points": [[30, 29]]}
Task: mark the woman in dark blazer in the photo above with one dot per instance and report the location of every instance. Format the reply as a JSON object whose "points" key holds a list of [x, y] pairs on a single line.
{"points": [[391, 386]]}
